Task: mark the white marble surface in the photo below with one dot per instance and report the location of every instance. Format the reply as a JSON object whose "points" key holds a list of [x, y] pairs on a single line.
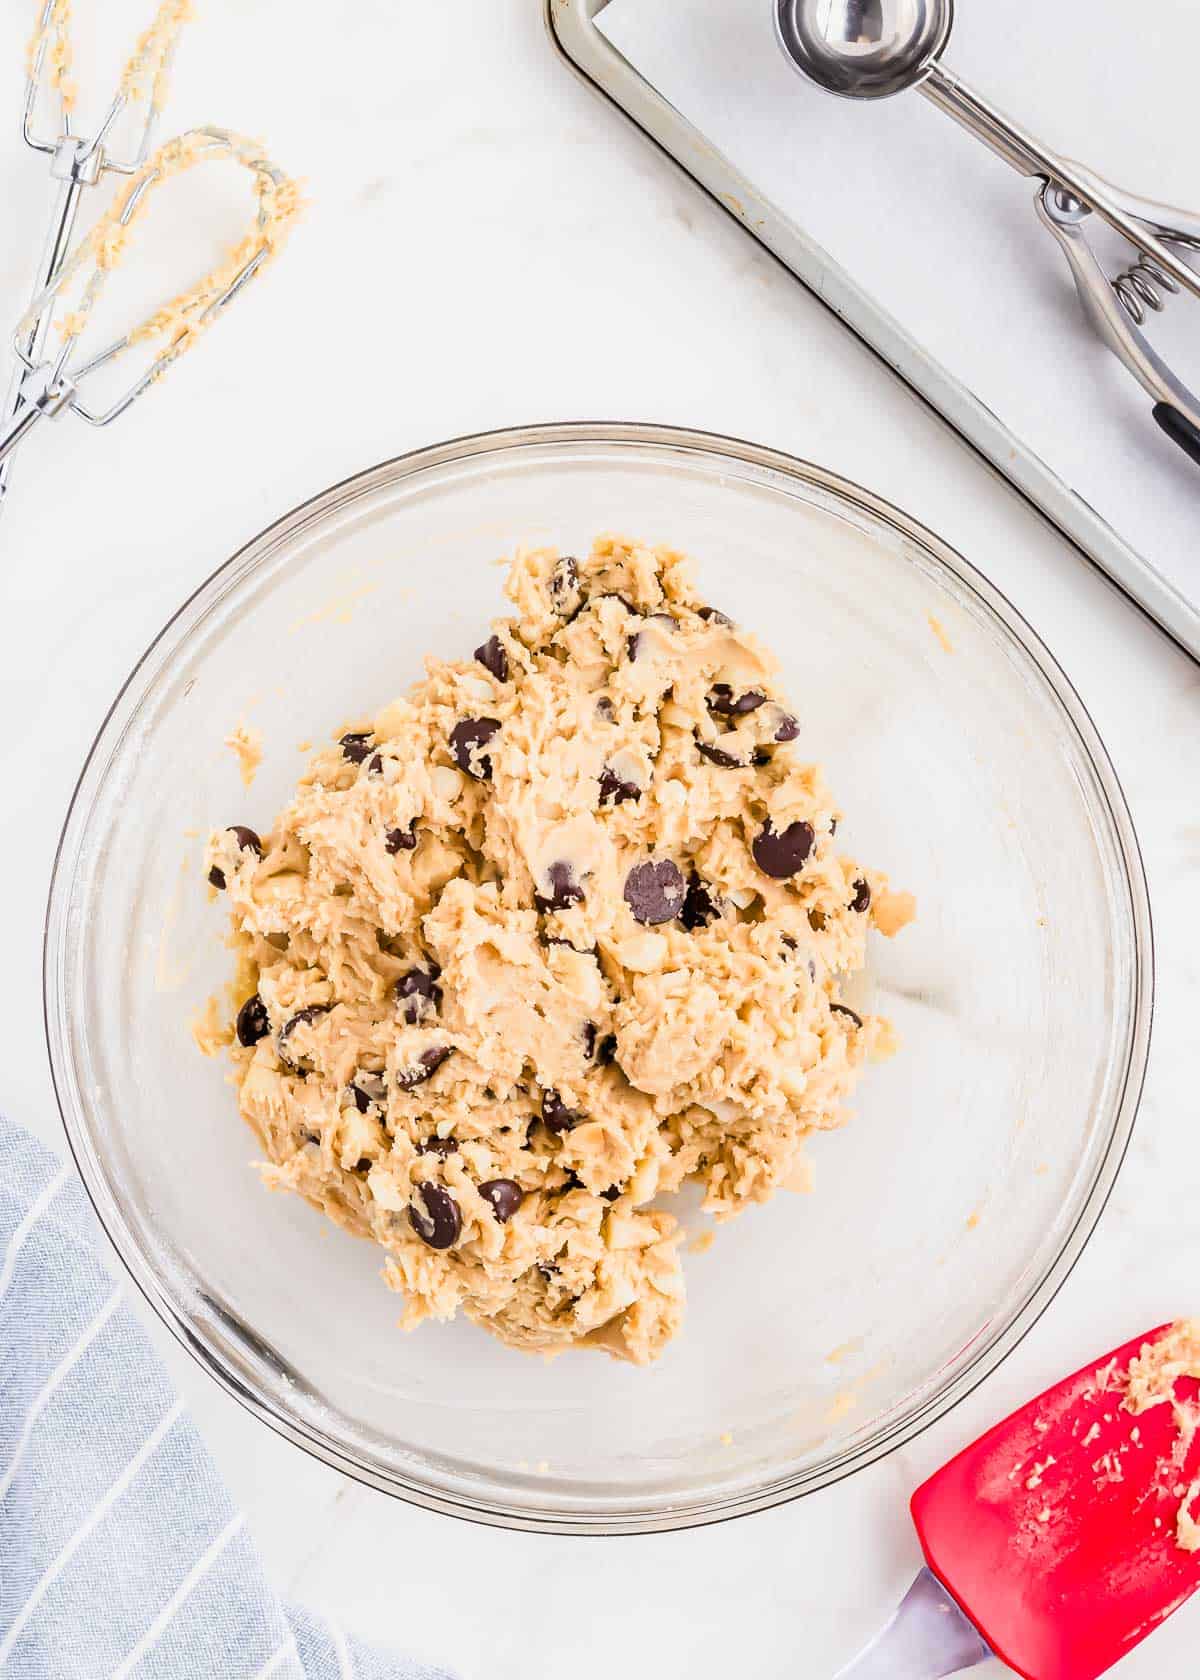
{"points": [[507, 252]]}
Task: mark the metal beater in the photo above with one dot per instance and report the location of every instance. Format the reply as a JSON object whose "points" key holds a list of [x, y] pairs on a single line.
{"points": [[50, 385], [77, 162], [871, 49], [45, 385]]}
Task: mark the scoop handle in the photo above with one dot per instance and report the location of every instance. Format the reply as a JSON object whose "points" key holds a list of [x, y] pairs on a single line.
{"points": [[927, 1637], [1179, 429], [1029, 157], [62, 225]]}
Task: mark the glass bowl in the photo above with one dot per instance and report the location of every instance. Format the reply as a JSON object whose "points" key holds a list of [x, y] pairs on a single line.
{"points": [[822, 1330]]}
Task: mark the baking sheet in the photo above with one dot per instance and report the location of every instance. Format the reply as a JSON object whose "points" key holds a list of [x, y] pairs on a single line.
{"points": [[907, 212]]}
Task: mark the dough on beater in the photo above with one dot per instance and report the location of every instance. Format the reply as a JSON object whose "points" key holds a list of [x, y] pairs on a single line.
{"points": [[559, 930]]}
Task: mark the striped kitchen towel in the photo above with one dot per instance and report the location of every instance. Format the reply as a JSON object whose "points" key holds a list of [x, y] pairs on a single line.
{"points": [[121, 1554]]}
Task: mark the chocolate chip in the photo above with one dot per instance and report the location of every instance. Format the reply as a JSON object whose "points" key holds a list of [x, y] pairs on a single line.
{"points": [[375, 765], [427, 1064], [606, 1050], [363, 1164], [613, 788], [505, 1196], [699, 906], [786, 939], [590, 1029], [493, 658], [253, 1022], [247, 841], [780, 853], [711, 616], [832, 827], [367, 1088], [556, 1114], [788, 728], [604, 709], [434, 1216], [564, 889], [418, 994], [862, 896], [611, 1194], [302, 1017], [355, 747], [723, 702], [564, 586], [565, 574], [718, 756], [466, 741], [585, 951], [401, 839], [439, 1146], [840, 1009], [655, 892], [633, 643]]}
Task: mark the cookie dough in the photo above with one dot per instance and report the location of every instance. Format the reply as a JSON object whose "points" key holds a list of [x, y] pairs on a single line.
{"points": [[1150, 1381], [561, 929], [246, 744]]}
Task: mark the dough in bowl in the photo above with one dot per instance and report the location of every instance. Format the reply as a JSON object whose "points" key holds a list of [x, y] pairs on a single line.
{"points": [[561, 929]]}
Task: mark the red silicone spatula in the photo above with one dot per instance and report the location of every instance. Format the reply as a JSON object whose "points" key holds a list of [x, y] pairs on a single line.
{"points": [[1051, 1542]]}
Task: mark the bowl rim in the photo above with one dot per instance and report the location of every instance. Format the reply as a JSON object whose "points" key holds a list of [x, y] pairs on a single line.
{"points": [[993, 1348]]}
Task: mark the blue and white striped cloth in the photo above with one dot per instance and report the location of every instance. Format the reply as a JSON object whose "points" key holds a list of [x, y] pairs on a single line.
{"points": [[121, 1554]]}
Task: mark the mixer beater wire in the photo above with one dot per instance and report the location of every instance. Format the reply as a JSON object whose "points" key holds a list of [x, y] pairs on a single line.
{"points": [[50, 60], [52, 385], [78, 162], [48, 383]]}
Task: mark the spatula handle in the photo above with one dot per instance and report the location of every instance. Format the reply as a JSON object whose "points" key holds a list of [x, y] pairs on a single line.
{"points": [[927, 1637]]}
